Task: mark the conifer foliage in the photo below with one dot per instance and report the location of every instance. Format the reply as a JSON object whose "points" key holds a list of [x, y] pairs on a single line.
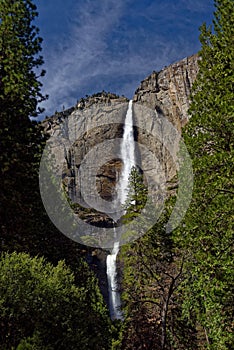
{"points": [[194, 283], [207, 235], [42, 308], [20, 45], [137, 194], [20, 91]]}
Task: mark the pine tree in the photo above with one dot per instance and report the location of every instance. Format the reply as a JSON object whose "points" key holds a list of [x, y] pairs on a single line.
{"points": [[206, 237], [20, 89], [24, 224], [137, 194], [21, 140]]}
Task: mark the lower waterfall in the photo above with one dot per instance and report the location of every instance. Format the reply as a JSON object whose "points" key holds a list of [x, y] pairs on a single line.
{"points": [[113, 290], [128, 159]]}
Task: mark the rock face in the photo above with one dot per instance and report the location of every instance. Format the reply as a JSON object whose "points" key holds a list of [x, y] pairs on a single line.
{"points": [[87, 137], [98, 119], [168, 91], [161, 110]]}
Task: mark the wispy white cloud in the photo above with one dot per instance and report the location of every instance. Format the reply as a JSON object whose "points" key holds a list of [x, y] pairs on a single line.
{"points": [[81, 56], [111, 45]]}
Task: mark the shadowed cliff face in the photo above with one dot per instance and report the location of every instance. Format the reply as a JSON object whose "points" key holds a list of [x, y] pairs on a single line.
{"points": [[164, 94], [168, 91]]}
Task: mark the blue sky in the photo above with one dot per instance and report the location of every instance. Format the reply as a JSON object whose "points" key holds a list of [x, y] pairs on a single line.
{"points": [[111, 45]]}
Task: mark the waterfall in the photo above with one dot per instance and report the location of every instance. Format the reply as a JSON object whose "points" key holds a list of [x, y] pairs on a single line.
{"points": [[114, 295], [128, 159], [127, 154]]}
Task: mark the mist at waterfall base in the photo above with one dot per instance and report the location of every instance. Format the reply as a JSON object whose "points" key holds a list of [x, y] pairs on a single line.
{"points": [[128, 158]]}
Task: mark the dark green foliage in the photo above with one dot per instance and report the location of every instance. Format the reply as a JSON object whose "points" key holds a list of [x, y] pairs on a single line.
{"points": [[41, 307], [137, 194], [24, 224], [21, 141], [152, 274], [206, 238], [19, 48]]}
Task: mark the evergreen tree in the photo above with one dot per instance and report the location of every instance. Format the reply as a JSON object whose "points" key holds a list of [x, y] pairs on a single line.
{"points": [[151, 275], [21, 140], [20, 89], [137, 194], [42, 308], [206, 237], [24, 224]]}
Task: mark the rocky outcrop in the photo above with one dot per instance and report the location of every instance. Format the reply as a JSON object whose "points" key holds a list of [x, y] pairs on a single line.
{"points": [[168, 91], [103, 97]]}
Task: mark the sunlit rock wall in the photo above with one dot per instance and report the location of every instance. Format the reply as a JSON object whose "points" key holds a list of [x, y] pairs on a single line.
{"points": [[168, 91]]}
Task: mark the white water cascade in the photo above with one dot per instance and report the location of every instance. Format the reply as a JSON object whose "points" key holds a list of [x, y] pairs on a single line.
{"points": [[127, 155], [114, 295], [128, 158]]}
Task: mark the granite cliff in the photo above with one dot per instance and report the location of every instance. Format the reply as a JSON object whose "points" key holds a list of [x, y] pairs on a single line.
{"points": [[168, 91], [99, 118]]}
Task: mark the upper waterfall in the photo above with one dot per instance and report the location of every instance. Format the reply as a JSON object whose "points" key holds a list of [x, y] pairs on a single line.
{"points": [[127, 155]]}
